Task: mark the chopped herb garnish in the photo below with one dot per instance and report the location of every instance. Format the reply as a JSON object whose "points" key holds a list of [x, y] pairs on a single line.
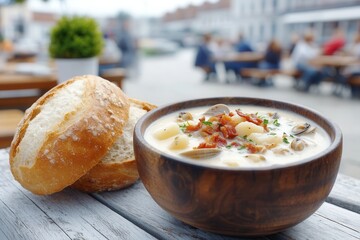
{"points": [[182, 127], [228, 146], [190, 135], [245, 137], [276, 123], [292, 136], [242, 148], [272, 133], [285, 140], [207, 123], [265, 122]]}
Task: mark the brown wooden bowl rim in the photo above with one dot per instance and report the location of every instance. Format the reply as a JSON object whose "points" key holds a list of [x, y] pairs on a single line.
{"points": [[140, 130]]}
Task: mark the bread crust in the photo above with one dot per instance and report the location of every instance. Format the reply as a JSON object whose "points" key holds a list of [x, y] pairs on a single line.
{"points": [[112, 175], [63, 158]]}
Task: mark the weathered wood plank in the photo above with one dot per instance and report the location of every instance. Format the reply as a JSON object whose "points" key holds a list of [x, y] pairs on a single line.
{"points": [[68, 214], [72, 214], [346, 193], [136, 205], [20, 218], [329, 222]]}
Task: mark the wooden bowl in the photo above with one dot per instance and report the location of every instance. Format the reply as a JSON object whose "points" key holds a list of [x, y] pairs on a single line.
{"points": [[248, 202]]}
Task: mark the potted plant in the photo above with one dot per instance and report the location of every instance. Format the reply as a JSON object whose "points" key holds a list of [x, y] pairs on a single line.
{"points": [[75, 43]]}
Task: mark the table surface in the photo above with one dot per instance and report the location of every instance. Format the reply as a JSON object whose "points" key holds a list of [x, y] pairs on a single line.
{"points": [[10, 79], [132, 214], [334, 61], [241, 57]]}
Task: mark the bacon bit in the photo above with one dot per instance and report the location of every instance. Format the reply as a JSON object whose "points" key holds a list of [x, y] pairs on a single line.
{"points": [[265, 126], [208, 130], [231, 114], [193, 128], [224, 132], [235, 144], [206, 145], [250, 118], [219, 140], [253, 148], [228, 131], [225, 119]]}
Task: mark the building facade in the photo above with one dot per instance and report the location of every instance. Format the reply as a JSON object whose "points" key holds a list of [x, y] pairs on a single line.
{"points": [[262, 20]]}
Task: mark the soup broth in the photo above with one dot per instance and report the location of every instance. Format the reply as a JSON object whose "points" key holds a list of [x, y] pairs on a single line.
{"points": [[237, 136]]}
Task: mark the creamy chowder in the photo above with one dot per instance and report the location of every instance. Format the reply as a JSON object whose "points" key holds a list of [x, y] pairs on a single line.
{"points": [[237, 136]]}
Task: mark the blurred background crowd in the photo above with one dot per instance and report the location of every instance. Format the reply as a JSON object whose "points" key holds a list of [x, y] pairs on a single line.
{"points": [[288, 33]]}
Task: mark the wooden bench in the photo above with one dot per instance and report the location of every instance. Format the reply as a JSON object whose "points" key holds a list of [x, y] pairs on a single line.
{"points": [[9, 120], [263, 74], [354, 81], [257, 73]]}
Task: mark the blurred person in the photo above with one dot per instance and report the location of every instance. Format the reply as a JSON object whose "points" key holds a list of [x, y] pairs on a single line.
{"points": [[220, 47], [271, 61], [294, 40], [303, 53], [240, 46], [128, 46], [354, 70], [111, 54], [336, 42], [272, 56], [204, 57]]}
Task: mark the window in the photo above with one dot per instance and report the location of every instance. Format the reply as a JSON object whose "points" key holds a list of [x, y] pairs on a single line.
{"points": [[274, 5], [261, 32], [273, 29], [263, 6]]}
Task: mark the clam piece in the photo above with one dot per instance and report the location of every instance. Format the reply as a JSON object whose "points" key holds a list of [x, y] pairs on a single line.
{"points": [[185, 116], [298, 144], [201, 153], [281, 151], [303, 128], [256, 157], [217, 109]]}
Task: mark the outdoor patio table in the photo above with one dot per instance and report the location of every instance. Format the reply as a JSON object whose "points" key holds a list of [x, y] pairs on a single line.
{"points": [[15, 81], [12, 80], [337, 63], [241, 57], [132, 214]]}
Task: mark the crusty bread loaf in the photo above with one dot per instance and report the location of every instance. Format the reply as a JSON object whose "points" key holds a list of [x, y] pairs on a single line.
{"points": [[118, 168], [66, 133]]}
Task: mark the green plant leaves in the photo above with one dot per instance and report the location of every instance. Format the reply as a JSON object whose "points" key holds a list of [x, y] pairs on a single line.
{"points": [[75, 37]]}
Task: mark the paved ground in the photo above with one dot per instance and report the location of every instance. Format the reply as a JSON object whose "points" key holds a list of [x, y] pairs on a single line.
{"points": [[168, 79]]}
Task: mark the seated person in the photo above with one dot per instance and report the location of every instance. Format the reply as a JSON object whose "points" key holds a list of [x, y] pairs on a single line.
{"points": [[272, 56], [204, 57], [303, 53], [110, 56], [271, 61], [335, 44], [241, 46]]}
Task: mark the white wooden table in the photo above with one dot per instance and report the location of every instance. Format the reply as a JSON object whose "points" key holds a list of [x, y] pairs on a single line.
{"points": [[132, 214]]}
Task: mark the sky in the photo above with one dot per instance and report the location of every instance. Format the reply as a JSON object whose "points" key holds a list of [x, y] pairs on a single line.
{"points": [[106, 8]]}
